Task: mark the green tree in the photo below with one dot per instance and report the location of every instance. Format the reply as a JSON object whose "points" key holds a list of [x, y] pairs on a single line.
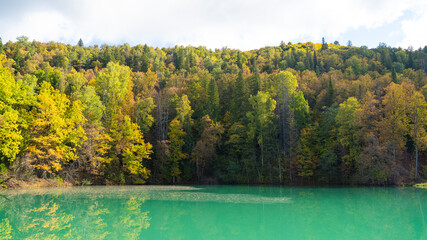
{"points": [[330, 99], [348, 132], [240, 96], [143, 113], [213, 107], [80, 43], [324, 44], [261, 119], [93, 108], [112, 85]]}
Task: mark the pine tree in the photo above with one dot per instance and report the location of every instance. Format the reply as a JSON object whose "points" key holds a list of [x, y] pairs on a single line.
{"points": [[80, 43], [315, 61], [393, 75], [324, 44], [239, 103], [213, 99]]}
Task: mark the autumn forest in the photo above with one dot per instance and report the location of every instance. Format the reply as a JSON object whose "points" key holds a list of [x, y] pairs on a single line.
{"points": [[297, 113]]}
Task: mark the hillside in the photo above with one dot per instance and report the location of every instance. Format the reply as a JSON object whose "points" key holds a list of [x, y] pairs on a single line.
{"points": [[293, 114]]}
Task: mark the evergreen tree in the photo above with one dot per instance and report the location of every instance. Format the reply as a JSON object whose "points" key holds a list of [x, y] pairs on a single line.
{"points": [[213, 99], [324, 44], [393, 75], [315, 67], [239, 104], [80, 43]]}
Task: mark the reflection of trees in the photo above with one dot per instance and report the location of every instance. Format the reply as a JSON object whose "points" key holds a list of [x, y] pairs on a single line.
{"points": [[47, 222], [5, 230], [69, 216], [134, 220]]}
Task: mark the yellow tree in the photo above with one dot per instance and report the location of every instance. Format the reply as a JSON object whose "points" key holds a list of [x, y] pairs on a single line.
{"points": [[394, 126], [56, 131], [15, 97], [417, 112], [176, 138], [129, 148]]}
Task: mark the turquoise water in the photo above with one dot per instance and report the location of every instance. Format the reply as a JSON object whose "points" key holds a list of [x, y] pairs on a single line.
{"points": [[220, 212]]}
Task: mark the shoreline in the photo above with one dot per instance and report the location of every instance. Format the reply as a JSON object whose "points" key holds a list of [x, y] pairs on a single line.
{"points": [[14, 184]]}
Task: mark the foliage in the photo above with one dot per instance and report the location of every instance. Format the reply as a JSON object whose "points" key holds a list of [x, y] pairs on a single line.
{"points": [[293, 113]]}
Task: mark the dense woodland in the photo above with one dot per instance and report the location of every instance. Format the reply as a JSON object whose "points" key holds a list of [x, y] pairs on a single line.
{"points": [[292, 114]]}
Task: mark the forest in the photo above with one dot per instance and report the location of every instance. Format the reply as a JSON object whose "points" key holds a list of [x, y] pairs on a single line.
{"points": [[297, 113]]}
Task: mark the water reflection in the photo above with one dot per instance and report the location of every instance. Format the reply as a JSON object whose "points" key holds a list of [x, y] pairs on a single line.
{"points": [[53, 214], [168, 212]]}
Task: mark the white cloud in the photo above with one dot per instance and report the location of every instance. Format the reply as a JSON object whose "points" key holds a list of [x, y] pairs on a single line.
{"points": [[415, 30], [244, 24]]}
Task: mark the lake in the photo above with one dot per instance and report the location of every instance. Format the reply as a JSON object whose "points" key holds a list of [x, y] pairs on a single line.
{"points": [[213, 212]]}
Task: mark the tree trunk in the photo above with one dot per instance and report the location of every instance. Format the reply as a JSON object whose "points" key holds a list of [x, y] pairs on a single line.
{"points": [[262, 155], [416, 161]]}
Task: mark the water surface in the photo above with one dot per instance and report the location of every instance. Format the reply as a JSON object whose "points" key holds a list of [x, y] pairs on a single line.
{"points": [[220, 212]]}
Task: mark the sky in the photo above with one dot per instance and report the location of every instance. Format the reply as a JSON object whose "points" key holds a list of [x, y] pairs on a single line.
{"points": [[238, 24]]}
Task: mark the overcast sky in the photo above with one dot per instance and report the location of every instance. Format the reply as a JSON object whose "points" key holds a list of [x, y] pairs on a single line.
{"points": [[242, 24]]}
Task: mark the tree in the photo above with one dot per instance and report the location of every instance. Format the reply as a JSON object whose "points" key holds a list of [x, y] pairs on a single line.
{"points": [[261, 119], [300, 109], [15, 98], [213, 107], [143, 113], [93, 108], [1, 46], [394, 125], [176, 138], [56, 131], [113, 85], [129, 150], [315, 63], [75, 82], [240, 95], [330, 99], [285, 85], [184, 111], [417, 112], [305, 154], [349, 43], [80, 43], [204, 153], [393, 75], [348, 133], [324, 44]]}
